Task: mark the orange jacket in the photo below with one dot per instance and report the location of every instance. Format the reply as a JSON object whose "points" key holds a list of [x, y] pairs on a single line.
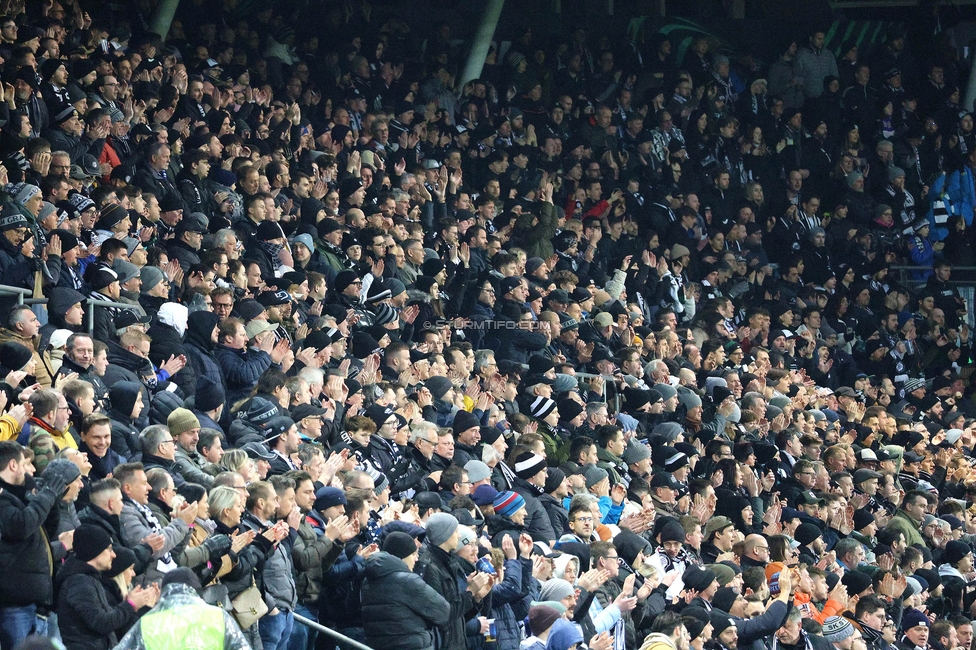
{"points": [[803, 603]]}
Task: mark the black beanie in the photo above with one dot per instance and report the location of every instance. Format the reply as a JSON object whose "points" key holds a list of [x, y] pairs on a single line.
{"points": [[209, 395], [554, 478], [673, 532], [90, 541], [399, 545], [344, 279], [14, 356]]}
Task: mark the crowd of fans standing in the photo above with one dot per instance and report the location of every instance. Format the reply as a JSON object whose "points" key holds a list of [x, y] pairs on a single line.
{"points": [[601, 349]]}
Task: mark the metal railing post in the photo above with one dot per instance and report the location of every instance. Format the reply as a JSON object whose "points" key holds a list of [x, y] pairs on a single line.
{"points": [[330, 632], [7, 290], [92, 303]]}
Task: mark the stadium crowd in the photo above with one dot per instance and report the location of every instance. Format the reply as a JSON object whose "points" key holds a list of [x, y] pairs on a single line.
{"points": [[601, 349]]}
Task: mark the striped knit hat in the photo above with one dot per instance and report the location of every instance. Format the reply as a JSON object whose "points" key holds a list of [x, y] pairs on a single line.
{"points": [[507, 503]]}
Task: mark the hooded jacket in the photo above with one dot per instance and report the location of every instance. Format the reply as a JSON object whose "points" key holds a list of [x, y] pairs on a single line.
{"points": [[125, 435], [86, 618], [399, 610], [200, 347], [167, 342]]}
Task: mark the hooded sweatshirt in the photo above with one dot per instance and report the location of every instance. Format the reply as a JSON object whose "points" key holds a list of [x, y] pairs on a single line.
{"points": [[125, 435]]}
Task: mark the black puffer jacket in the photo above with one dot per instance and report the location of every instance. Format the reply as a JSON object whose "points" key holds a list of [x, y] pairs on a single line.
{"points": [[399, 609], [126, 366], [28, 523], [87, 619]]}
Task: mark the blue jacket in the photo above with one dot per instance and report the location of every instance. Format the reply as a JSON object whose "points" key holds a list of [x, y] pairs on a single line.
{"points": [[241, 369], [961, 193], [510, 602]]}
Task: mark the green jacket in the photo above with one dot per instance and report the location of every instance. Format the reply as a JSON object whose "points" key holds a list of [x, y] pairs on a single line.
{"points": [[537, 240], [901, 521]]}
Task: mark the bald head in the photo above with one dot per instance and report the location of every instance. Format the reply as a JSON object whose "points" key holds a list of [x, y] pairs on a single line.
{"points": [[757, 548]]}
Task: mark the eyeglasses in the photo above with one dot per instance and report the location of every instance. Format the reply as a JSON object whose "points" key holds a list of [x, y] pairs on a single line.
{"points": [[584, 520], [165, 442]]}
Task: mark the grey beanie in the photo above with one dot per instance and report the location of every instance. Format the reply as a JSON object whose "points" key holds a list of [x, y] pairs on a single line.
{"points": [[594, 474], [477, 471], [440, 527], [151, 276], [63, 468], [556, 589], [894, 173], [837, 628], [667, 390], [853, 177], [689, 399]]}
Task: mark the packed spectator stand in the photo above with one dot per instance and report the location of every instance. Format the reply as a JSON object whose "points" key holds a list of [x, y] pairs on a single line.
{"points": [[311, 343]]}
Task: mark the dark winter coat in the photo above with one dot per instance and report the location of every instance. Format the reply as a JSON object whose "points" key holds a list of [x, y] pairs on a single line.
{"points": [[399, 609], [95, 516], [126, 366], [86, 618], [200, 347], [537, 522], [167, 342], [125, 434], [510, 601], [241, 369], [28, 523], [439, 569]]}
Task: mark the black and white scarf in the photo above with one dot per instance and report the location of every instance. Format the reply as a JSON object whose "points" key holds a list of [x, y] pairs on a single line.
{"points": [[165, 564], [670, 562]]}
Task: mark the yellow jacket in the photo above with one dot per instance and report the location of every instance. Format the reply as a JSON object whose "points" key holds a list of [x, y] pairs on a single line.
{"points": [[9, 427]]}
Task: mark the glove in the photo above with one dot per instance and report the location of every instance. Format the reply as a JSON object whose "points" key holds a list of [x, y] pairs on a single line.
{"points": [[55, 483], [217, 546]]}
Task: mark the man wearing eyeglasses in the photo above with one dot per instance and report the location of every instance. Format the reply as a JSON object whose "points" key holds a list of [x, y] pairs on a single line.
{"points": [[581, 523], [50, 415], [803, 478]]}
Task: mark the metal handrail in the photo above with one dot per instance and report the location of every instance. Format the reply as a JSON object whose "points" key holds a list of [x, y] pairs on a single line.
{"points": [[92, 303], [307, 622], [7, 290]]}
